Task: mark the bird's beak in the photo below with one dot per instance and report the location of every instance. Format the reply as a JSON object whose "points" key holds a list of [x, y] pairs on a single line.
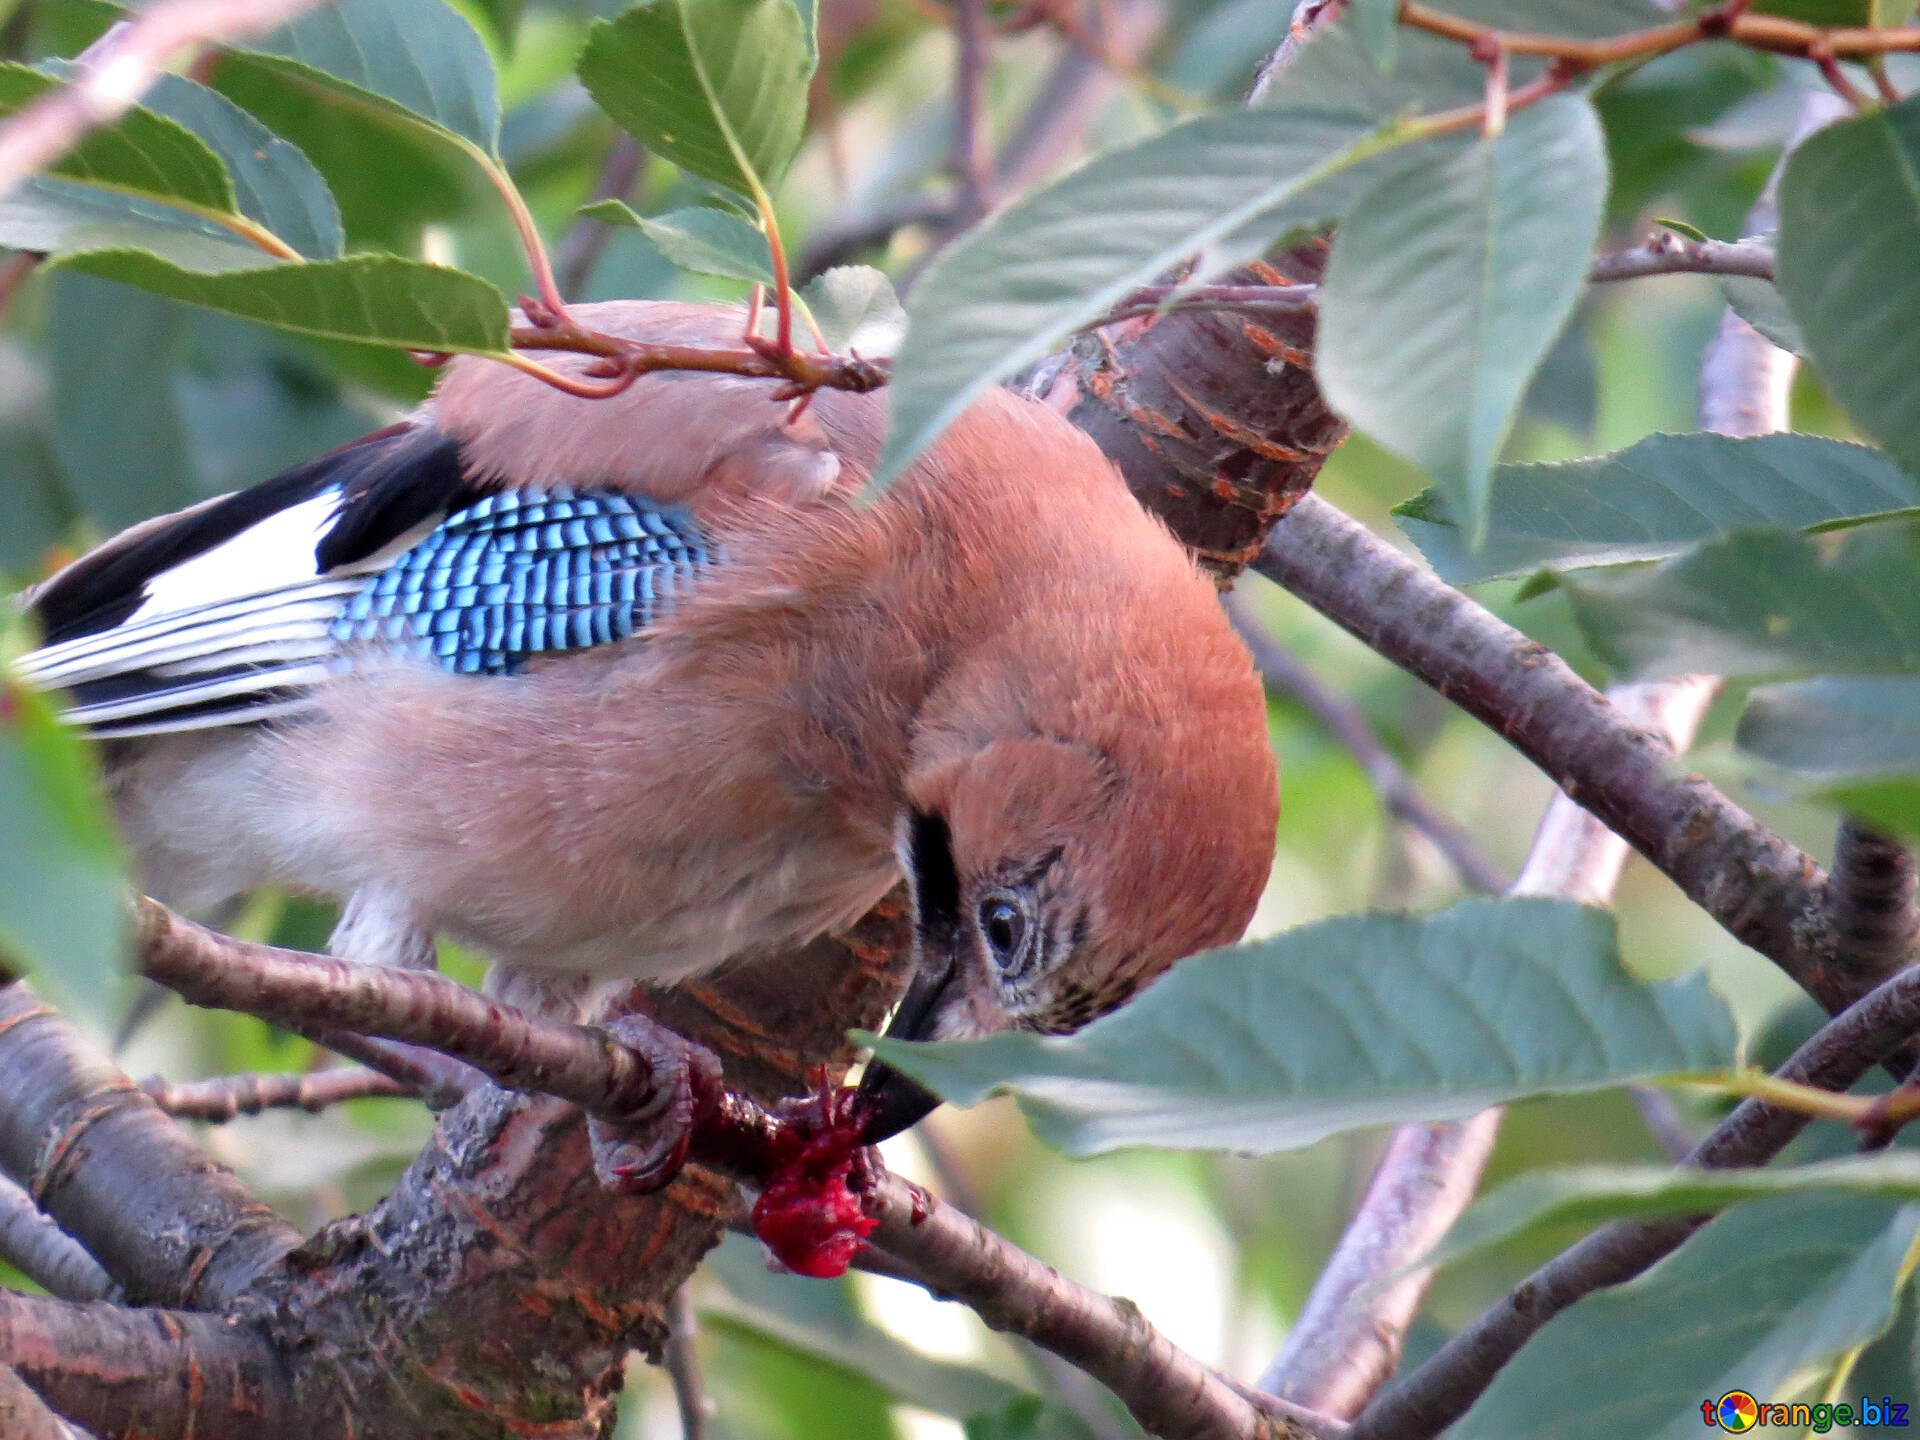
{"points": [[894, 1102]]}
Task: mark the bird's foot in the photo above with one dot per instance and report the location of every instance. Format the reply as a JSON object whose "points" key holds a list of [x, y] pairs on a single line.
{"points": [[644, 1151], [810, 1215]]}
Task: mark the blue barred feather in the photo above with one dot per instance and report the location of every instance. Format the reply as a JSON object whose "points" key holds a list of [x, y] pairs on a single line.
{"points": [[520, 573]]}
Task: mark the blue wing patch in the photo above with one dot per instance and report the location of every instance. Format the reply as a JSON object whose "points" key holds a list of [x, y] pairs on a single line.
{"points": [[520, 573]]}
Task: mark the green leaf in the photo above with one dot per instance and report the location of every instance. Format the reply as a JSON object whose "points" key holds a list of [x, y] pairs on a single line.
{"points": [[273, 182], [1596, 1194], [1221, 186], [823, 1320], [1354, 1022], [1028, 1418], [701, 239], [380, 298], [719, 87], [54, 216], [1849, 229], [117, 426], [141, 154], [1765, 1296], [1855, 741], [1764, 604], [1377, 24], [856, 308], [62, 906], [1656, 498], [1758, 303], [1447, 286], [414, 60]]}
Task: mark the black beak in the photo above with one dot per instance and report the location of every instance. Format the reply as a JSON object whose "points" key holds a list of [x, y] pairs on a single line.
{"points": [[894, 1102]]}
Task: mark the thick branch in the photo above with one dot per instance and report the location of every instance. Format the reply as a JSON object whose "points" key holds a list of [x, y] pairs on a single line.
{"points": [[97, 1155], [1768, 893], [25, 1416], [46, 1254], [142, 1373]]}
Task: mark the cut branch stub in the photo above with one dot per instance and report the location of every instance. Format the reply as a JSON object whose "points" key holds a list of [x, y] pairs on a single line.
{"points": [[1213, 417]]}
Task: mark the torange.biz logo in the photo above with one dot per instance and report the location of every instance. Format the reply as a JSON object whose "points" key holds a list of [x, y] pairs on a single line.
{"points": [[1739, 1412]]}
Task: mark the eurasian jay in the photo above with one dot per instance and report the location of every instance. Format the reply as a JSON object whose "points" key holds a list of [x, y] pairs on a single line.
{"points": [[631, 687]]}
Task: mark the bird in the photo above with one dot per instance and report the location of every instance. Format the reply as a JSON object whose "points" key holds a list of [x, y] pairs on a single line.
{"points": [[635, 687]]}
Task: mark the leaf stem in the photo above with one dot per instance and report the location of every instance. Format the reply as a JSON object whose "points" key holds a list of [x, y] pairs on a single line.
{"points": [[523, 223]]}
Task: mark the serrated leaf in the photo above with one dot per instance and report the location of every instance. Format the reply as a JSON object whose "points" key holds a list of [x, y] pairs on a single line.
{"points": [[855, 308], [1656, 498], [719, 87], [1836, 725], [141, 154], [62, 906], [701, 239], [1849, 229], [1764, 604], [1447, 286], [1855, 740], [1355, 1022], [273, 182], [51, 216], [1597, 1194], [415, 60], [1220, 186], [1768, 1294], [378, 298]]}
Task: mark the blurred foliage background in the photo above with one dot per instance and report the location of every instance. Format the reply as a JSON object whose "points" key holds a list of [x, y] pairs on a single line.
{"points": [[116, 405]]}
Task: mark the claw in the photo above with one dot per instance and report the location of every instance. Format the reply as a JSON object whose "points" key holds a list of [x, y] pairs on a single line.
{"points": [[643, 1152]]}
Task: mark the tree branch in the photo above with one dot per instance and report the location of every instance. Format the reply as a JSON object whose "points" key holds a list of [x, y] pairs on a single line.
{"points": [[228, 1096], [1765, 891], [141, 1373], [1872, 892], [1440, 1391], [970, 158], [120, 69], [99, 1157], [1169, 1392], [1345, 722], [46, 1254], [683, 1367], [586, 239], [24, 1415]]}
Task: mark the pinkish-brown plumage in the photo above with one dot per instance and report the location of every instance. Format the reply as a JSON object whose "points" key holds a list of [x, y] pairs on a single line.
{"points": [[1002, 675]]}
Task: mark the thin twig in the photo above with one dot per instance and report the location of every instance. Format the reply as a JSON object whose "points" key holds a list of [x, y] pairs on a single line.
{"points": [[439, 1081], [586, 239], [682, 1360], [1432, 1397], [1349, 727], [46, 1254], [971, 156], [228, 1096], [121, 70], [1665, 253], [1775, 33]]}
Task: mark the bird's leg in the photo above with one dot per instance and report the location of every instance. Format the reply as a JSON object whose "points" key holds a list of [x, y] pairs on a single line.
{"points": [[377, 927], [644, 1151]]}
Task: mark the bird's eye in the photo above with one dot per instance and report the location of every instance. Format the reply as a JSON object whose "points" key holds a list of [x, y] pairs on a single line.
{"points": [[1004, 924]]}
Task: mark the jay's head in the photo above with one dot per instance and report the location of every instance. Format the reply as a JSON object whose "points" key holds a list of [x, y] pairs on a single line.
{"points": [[1092, 799]]}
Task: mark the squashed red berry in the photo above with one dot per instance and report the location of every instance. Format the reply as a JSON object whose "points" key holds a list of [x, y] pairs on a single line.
{"points": [[809, 1215]]}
